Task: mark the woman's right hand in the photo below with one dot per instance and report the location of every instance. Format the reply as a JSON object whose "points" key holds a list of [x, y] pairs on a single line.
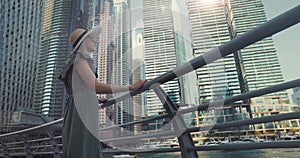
{"points": [[137, 85]]}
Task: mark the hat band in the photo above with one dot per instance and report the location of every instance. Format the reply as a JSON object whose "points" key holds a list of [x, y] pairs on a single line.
{"points": [[79, 38]]}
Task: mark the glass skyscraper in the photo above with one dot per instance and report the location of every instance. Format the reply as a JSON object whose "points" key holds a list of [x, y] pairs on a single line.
{"points": [[60, 19], [159, 47], [21, 22], [259, 61], [215, 22], [210, 29], [122, 59]]}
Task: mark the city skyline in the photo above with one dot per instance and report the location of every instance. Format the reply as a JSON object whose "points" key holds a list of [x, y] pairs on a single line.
{"points": [[281, 40]]}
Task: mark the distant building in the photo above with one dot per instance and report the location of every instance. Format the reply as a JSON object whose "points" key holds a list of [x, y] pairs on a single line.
{"points": [[209, 29], [259, 107], [215, 22], [259, 62], [122, 60], [60, 19], [103, 57], [139, 101], [296, 95], [20, 38], [160, 51]]}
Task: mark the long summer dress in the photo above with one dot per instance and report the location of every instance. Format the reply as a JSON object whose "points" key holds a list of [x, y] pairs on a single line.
{"points": [[79, 128]]}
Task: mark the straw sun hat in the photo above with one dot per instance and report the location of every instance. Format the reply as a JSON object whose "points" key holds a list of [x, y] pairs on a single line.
{"points": [[78, 35]]}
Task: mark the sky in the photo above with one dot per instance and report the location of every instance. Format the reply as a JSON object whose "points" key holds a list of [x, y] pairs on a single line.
{"points": [[287, 42]]}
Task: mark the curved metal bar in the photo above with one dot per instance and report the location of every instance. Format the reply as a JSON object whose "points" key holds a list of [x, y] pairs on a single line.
{"points": [[244, 146], [247, 146], [146, 120], [273, 118], [220, 103], [151, 135], [33, 128]]}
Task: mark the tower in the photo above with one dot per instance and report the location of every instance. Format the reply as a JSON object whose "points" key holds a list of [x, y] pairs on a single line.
{"points": [[60, 19], [20, 23]]}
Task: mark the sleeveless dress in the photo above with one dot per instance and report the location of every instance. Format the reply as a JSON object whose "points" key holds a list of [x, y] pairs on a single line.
{"points": [[78, 136]]}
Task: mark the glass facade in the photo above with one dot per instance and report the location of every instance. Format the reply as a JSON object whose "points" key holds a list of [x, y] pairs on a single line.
{"points": [[21, 22], [122, 59], [60, 19], [103, 59], [259, 61], [159, 47], [209, 29], [215, 22]]}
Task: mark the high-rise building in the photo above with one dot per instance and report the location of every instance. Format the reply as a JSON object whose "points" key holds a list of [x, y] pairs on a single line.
{"points": [[259, 61], [122, 59], [215, 22], [60, 19], [139, 101], [103, 57], [159, 50], [21, 22], [209, 29]]}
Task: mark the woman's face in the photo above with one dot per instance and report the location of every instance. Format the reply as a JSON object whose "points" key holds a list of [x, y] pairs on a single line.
{"points": [[91, 43]]}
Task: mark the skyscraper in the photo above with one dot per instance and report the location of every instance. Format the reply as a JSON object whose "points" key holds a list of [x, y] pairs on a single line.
{"points": [[60, 19], [139, 101], [21, 22], [159, 46], [122, 59], [209, 29], [103, 56], [259, 61], [215, 22]]}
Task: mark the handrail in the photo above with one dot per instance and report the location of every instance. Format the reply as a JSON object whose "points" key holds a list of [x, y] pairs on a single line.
{"points": [[33, 128], [251, 94]]}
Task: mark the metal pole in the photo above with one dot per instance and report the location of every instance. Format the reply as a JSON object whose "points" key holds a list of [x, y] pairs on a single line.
{"points": [[184, 138], [273, 118], [4, 147], [267, 90]]}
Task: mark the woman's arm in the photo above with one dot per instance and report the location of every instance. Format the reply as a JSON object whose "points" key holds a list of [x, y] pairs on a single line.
{"points": [[103, 88], [83, 69]]}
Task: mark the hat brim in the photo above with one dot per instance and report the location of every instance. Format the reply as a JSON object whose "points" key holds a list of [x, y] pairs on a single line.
{"points": [[95, 31]]}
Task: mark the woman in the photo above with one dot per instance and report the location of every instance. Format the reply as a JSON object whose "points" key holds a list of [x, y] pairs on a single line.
{"points": [[80, 128]]}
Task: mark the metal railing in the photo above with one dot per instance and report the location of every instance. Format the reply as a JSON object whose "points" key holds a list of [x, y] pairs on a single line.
{"points": [[19, 143]]}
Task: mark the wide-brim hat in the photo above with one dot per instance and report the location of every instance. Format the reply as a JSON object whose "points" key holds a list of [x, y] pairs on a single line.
{"points": [[78, 35]]}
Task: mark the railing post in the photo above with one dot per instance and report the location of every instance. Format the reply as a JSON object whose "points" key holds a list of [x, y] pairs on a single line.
{"points": [[28, 149], [5, 151], [184, 139], [101, 149], [54, 143]]}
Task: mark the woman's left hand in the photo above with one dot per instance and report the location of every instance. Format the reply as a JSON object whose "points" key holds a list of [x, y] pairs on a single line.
{"points": [[137, 85], [102, 100]]}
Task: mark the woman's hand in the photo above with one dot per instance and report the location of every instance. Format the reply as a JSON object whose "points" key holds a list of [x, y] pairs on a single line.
{"points": [[101, 100], [137, 85]]}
